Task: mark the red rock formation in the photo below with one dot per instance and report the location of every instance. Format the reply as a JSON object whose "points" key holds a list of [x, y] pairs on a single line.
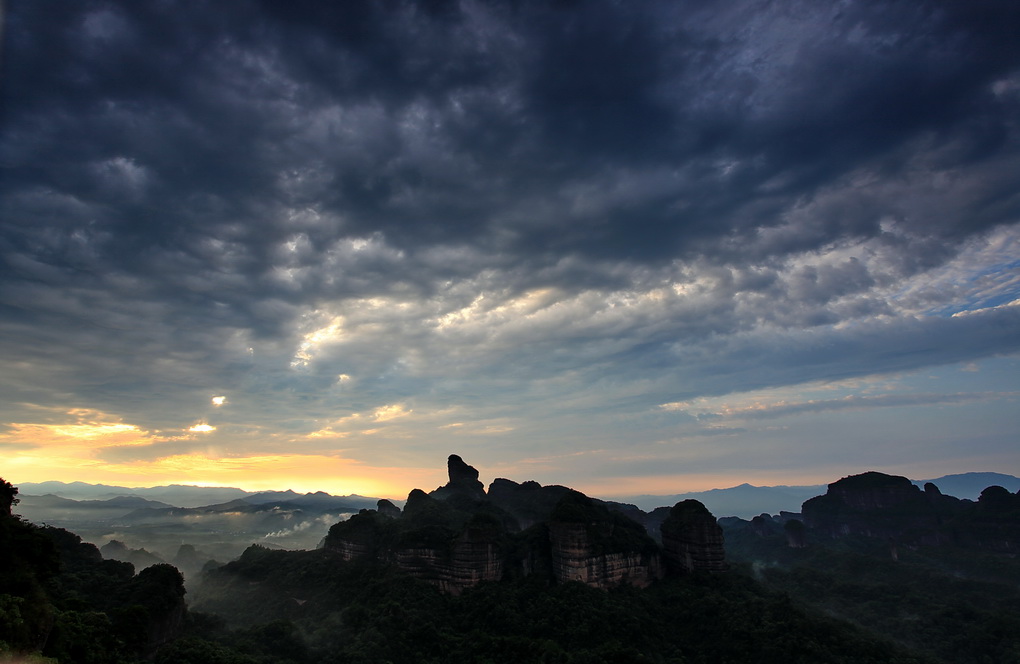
{"points": [[600, 548], [347, 550], [692, 540], [457, 536], [872, 504], [873, 490], [463, 481], [576, 558], [474, 557]]}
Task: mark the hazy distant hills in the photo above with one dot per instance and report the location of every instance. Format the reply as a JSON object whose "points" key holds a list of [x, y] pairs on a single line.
{"points": [[744, 500], [221, 520], [60, 502], [178, 495], [55, 509], [747, 501], [970, 485]]}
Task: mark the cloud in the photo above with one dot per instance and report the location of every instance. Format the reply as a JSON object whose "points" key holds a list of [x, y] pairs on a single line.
{"points": [[520, 218], [850, 402]]}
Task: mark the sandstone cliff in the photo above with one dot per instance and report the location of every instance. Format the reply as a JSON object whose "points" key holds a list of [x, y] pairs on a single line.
{"points": [[460, 535], [887, 506], [692, 540], [872, 504], [600, 548]]}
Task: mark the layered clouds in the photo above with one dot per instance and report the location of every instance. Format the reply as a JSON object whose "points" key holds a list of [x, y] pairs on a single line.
{"points": [[568, 242]]}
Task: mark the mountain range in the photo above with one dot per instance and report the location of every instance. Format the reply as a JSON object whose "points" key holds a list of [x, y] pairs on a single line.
{"points": [[516, 570], [744, 500]]}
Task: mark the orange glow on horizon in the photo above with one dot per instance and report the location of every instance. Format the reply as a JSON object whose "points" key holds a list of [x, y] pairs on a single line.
{"points": [[301, 473]]}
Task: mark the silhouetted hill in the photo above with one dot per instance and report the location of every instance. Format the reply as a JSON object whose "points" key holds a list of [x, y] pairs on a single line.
{"points": [[178, 495], [459, 535], [744, 500], [58, 597], [67, 512], [527, 572], [747, 501], [970, 485], [936, 573], [521, 572]]}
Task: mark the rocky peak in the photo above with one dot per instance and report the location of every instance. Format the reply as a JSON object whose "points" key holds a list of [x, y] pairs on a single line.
{"points": [[873, 504], [460, 472], [463, 481], [762, 525], [692, 539], [387, 508], [528, 502], [874, 490], [458, 536], [998, 500], [599, 547]]}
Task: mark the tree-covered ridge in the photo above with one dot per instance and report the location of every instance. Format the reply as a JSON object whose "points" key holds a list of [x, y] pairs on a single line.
{"points": [[935, 573], [794, 592], [365, 611], [60, 599]]}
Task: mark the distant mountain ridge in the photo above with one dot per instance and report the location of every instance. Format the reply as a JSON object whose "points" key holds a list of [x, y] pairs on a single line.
{"points": [[174, 495], [970, 485], [222, 520], [746, 500]]}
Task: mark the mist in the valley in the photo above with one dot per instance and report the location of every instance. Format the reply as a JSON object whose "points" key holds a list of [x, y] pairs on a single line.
{"points": [[190, 527]]}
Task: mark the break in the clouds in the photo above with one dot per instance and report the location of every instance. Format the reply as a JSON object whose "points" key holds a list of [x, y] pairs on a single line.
{"points": [[379, 233]]}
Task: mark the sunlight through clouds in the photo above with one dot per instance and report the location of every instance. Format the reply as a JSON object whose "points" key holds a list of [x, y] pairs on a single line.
{"points": [[442, 248], [312, 341]]}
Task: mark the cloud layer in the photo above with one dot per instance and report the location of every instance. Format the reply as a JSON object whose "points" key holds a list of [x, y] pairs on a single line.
{"points": [[387, 232]]}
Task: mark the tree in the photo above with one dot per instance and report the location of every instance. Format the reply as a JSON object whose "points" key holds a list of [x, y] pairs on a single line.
{"points": [[8, 497]]}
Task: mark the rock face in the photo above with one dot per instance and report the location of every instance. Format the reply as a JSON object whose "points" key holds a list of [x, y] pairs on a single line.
{"points": [[599, 548], [458, 536], [160, 590], [886, 506], [430, 540], [692, 540], [872, 504], [387, 508], [573, 560], [873, 490], [473, 556], [463, 481], [528, 503], [762, 525], [796, 534]]}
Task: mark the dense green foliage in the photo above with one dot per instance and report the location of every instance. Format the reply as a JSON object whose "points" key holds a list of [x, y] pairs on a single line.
{"points": [[953, 604], [366, 612], [60, 599], [833, 600]]}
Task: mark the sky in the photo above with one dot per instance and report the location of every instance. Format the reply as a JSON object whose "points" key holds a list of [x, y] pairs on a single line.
{"points": [[632, 248]]}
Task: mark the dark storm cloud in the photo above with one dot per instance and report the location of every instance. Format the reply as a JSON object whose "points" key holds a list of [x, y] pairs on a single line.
{"points": [[510, 106], [704, 196]]}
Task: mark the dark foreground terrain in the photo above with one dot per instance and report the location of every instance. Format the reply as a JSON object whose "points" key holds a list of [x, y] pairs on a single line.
{"points": [[870, 572]]}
